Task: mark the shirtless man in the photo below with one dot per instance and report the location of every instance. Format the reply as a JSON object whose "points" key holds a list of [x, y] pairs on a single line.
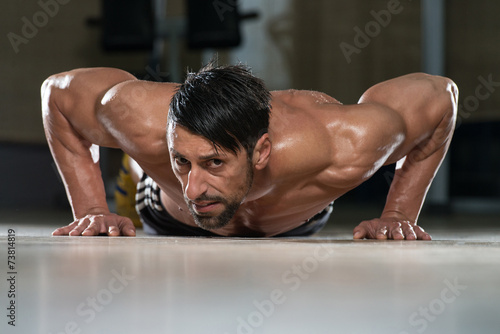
{"points": [[221, 155]]}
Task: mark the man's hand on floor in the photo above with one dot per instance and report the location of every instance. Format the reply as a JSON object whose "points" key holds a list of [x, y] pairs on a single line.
{"points": [[109, 223], [389, 228]]}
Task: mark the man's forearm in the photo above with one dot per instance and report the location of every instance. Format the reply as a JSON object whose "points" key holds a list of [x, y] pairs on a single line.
{"points": [[82, 179], [411, 182]]}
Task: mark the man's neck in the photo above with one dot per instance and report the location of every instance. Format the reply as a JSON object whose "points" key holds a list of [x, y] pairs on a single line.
{"points": [[262, 185]]}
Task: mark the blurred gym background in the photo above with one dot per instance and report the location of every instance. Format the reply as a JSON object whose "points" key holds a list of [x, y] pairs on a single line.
{"points": [[340, 47]]}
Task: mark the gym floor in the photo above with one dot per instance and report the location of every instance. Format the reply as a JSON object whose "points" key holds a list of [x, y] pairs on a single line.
{"points": [[327, 283]]}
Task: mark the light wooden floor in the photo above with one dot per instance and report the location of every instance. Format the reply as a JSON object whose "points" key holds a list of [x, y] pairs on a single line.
{"points": [[323, 284]]}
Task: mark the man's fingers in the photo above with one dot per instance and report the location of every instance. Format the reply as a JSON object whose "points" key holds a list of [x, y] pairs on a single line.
{"points": [[75, 232], [408, 231], [94, 228], [129, 231], [127, 227], [359, 232], [397, 233], [65, 229], [90, 225], [382, 233], [82, 225], [61, 231], [89, 232], [87, 226], [421, 234], [389, 228], [113, 231], [124, 227]]}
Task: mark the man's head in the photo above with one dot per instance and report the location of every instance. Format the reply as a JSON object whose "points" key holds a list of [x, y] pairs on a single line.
{"points": [[217, 135]]}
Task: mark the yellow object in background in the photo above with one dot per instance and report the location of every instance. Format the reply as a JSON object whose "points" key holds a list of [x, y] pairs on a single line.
{"points": [[125, 193]]}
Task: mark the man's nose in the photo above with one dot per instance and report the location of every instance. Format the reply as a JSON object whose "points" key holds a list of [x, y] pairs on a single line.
{"points": [[196, 184]]}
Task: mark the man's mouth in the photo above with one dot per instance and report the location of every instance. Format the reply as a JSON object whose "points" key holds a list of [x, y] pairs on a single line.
{"points": [[205, 207]]}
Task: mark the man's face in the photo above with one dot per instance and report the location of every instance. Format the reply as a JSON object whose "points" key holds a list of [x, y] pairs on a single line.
{"points": [[214, 182]]}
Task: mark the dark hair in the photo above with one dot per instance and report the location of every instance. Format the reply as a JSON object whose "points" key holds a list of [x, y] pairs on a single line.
{"points": [[225, 104]]}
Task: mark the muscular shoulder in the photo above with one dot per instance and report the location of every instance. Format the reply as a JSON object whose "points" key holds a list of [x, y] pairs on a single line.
{"points": [[423, 101], [413, 84], [363, 137], [131, 101], [416, 96], [135, 113], [337, 145], [83, 85], [76, 94], [299, 132]]}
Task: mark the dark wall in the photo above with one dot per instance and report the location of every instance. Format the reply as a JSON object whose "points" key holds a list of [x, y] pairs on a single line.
{"points": [[29, 178]]}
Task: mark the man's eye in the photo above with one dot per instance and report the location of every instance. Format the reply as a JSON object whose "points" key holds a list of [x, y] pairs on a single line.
{"points": [[215, 162], [181, 161]]}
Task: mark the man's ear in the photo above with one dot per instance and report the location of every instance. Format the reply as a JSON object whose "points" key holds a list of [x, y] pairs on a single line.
{"points": [[262, 152]]}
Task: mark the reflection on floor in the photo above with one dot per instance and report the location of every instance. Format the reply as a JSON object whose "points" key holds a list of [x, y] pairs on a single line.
{"points": [[324, 284]]}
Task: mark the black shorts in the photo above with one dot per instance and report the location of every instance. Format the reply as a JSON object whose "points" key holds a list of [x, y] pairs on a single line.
{"points": [[156, 220]]}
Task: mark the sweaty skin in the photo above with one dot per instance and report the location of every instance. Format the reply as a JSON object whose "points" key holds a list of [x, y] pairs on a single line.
{"points": [[317, 149]]}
